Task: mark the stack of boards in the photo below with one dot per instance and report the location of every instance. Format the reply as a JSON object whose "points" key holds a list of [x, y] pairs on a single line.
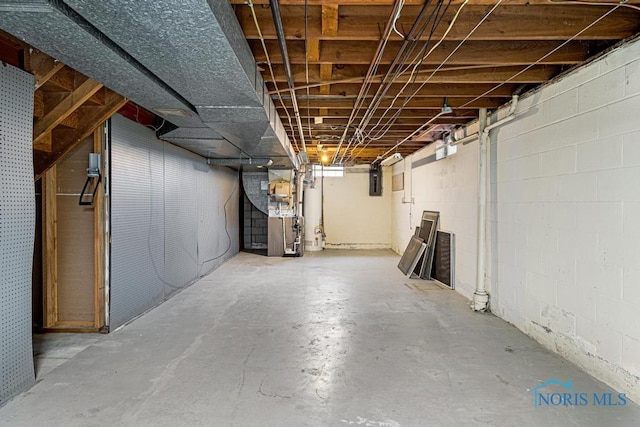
{"points": [[430, 252]]}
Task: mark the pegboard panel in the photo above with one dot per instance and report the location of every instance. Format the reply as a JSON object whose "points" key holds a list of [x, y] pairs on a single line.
{"points": [[180, 213], [137, 221], [17, 229], [168, 219]]}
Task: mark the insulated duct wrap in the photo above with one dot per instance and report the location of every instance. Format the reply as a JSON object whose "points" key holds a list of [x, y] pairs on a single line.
{"points": [[256, 188]]}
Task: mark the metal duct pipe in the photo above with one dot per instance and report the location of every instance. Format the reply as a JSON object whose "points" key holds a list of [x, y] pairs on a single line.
{"points": [[239, 162], [277, 21]]}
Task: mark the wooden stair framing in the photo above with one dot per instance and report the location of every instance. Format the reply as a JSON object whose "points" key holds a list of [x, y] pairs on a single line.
{"points": [[68, 107]]}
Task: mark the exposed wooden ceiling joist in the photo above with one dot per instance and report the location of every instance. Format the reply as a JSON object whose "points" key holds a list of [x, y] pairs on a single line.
{"points": [[464, 74], [514, 22], [472, 52], [488, 53]]}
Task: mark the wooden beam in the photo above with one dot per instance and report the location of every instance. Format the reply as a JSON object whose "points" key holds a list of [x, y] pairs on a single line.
{"points": [[99, 238], [510, 22], [326, 71], [329, 19], [351, 90], [472, 52], [63, 80], [403, 122], [313, 50], [370, 3], [43, 127], [65, 140], [406, 113], [42, 66], [50, 253], [38, 104], [44, 142], [417, 104], [463, 74]]}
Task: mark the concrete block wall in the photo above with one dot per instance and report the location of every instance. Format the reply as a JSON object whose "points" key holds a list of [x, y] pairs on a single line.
{"points": [[255, 226], [564, 251], [565, 192], [450, 187]]}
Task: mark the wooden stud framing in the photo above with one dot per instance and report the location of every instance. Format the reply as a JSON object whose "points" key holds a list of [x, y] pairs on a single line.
{"points": [[329, 19], [50, 243], [99, 239], [43, 127]]}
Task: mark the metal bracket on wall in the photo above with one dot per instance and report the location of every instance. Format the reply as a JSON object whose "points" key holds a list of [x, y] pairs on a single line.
{"points": [[93, 174]]}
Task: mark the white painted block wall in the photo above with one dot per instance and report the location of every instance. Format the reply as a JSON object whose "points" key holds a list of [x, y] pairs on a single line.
{"points": [[352, 218], [565, 223], [450, 187], [564, 254]]}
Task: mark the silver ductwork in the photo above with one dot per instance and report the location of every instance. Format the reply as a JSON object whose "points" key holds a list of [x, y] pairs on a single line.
{"points": [[240, 162], [185, 60]]}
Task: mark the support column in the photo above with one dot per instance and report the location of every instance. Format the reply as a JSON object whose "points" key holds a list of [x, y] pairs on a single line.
{"points": [[480, 296]]}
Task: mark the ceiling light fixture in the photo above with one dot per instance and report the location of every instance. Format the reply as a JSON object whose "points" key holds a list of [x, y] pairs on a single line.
{"points": [[446, 109], [391, 160]]}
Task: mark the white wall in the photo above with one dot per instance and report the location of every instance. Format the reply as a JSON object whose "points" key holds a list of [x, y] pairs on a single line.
{"points": [[450, 187], [352, 218], [565, 231], [564, 261]]}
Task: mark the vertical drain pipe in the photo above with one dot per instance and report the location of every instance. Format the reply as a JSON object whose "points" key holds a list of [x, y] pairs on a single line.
{"points": [[277, 21], [480, 296]]}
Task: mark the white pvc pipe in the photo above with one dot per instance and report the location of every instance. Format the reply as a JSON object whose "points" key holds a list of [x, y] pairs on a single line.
{"points": [[313, 240], [476, 135], [480, 296]]}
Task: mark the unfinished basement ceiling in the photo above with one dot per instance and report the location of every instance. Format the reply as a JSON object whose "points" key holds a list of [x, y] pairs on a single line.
{"points": [[473, 54]]}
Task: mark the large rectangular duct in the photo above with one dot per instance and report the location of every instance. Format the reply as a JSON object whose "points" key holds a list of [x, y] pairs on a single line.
{"points": [[185, 60]]}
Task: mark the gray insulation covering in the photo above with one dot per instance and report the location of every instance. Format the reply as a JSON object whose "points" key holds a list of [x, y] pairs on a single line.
{"points": [[252, 185], [173, 218], [17, 230]]}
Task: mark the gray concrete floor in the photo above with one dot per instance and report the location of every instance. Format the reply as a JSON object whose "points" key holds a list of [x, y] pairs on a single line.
{"points": [[52, 350], [332, 339]]}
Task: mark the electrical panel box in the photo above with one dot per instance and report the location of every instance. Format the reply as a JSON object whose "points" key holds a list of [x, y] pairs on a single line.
{"points": [[375, 180]]}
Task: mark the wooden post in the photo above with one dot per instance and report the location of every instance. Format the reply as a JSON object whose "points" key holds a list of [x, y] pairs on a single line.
{"points": [[99, 237], [50, 254]]}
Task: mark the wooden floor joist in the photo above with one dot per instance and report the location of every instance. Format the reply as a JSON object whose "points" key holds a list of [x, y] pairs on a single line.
{"points": [[472, 45]]}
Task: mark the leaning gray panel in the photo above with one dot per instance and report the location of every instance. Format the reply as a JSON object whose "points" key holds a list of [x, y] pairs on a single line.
{"points": [[137, 221], [174, 219], [17, 228]]}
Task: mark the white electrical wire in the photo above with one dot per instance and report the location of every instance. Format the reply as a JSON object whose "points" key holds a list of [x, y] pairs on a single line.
{"points": [[306, 63], [382, 89], [413, 71], [368, 79], [484, 18], [543, 57], [273, 77], [622, 3]]}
